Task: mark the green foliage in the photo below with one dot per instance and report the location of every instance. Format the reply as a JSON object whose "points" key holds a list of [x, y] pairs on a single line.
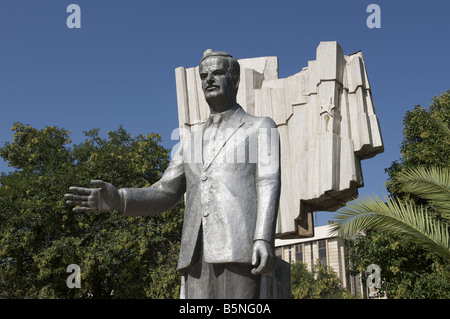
{"points": [[321, 283], [407, 271], [425, 140], [119, 257]]}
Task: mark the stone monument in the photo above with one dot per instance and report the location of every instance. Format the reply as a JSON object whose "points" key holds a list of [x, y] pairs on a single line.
{"points": [[326, 121]]}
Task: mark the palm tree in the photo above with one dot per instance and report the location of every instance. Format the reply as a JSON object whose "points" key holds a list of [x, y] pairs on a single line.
{"points": [[426, 225]]}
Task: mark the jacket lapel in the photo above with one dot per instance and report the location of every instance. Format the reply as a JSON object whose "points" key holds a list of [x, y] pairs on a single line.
{"points": [[233, 124]]}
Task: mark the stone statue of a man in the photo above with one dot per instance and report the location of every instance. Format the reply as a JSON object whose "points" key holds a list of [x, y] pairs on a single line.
{"points": [[230, 172]]}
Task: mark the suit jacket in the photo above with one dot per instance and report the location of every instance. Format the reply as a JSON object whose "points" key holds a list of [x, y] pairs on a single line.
{"points": [[233, 198]]}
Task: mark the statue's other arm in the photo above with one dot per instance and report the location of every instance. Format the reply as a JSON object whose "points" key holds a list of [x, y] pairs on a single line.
{"points": [[268, 187]]}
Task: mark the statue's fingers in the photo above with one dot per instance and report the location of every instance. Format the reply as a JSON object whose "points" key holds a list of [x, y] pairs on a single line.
{"points": [[78, 203], [260, 266], [88, 204], [263, 263], [80, 209], [72, 202], [255, 258], [82, 202], [100, 184], [76, 197], [68, 196], [257, 270], [81, 190], [81, 197]]}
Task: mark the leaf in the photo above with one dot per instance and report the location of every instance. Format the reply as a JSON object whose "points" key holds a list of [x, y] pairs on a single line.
{"points": [[394, 216], [432, 184]]}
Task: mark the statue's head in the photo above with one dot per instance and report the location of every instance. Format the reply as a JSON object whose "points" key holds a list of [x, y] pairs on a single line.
{"points": [[219, 73]]}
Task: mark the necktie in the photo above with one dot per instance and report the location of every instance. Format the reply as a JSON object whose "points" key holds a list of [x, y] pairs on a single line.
{"points": [[210, 136]]}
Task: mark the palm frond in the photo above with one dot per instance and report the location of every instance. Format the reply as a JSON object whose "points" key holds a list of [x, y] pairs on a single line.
{"points": [[432, 184], [394, 216]]}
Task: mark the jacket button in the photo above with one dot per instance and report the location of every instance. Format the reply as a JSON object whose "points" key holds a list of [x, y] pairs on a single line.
{"points": [[205, 214], [204, 177]]}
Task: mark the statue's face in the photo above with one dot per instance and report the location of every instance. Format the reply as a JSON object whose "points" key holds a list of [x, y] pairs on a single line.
{"points": [[217, 82]]}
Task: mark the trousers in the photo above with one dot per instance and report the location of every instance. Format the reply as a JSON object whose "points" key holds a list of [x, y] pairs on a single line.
{"points": [[221, 281]]}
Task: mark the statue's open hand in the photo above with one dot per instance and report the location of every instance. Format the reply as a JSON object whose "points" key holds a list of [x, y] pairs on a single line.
{"points": [[263, 257], [105, 198]]}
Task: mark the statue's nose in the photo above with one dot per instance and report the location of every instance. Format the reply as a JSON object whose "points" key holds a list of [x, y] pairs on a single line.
{"points": [[210, 78]]}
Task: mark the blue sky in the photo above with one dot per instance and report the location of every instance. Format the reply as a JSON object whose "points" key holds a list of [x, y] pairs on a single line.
{"points": [[118, 68]]}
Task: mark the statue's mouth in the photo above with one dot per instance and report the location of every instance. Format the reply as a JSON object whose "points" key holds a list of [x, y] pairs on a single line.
{"points": [[211, 88]]}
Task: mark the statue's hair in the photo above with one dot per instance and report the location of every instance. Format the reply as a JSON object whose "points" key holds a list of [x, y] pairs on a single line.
{"points": [[233, 64]]}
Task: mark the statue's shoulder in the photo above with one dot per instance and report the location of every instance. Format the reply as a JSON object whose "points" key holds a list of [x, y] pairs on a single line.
{"points": [[261, 121]]}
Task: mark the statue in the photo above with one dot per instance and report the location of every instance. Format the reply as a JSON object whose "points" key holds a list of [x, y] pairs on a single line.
{"points": [[229, 171]]}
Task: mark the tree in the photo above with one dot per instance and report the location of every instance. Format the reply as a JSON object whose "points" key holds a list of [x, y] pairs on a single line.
{"points": [[407, 271], [416, 213], [119, 257], [425, 140], [321, 283]]}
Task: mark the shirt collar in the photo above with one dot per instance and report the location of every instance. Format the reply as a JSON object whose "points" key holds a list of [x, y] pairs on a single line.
{"points": [[226, 115]]}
